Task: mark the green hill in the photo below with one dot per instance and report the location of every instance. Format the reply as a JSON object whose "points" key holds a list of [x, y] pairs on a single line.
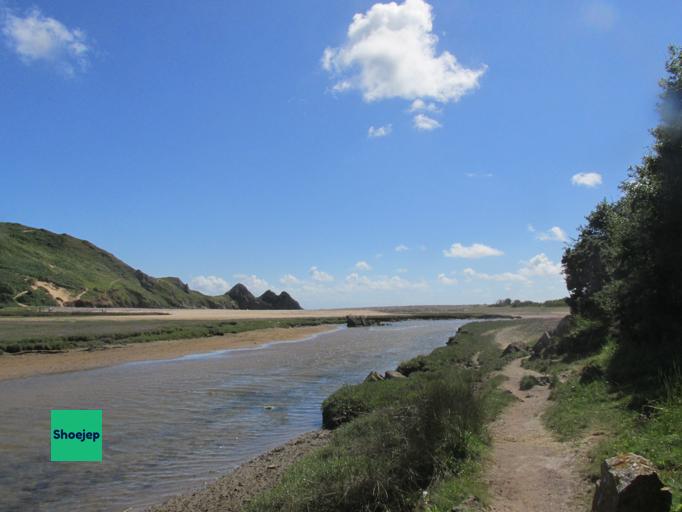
{"points": [[41, 268]]}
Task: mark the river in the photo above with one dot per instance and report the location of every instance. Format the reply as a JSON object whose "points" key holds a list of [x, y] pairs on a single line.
{"points": [[171, 425]]}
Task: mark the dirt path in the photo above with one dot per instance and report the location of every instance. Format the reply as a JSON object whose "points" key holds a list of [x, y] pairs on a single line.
{"points": [[529, 470]]}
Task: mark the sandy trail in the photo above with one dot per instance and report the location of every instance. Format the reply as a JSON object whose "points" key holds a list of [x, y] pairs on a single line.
{"points": [[530, 471]]}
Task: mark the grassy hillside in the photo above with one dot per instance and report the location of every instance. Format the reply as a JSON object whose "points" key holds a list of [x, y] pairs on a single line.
{"points": [[41, 268]]}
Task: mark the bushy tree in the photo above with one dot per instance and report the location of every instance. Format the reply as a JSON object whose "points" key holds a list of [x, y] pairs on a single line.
{"points": [[625, 268]]}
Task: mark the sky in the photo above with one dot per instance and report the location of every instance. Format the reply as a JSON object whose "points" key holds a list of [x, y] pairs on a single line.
{"points": [[353, 153]]}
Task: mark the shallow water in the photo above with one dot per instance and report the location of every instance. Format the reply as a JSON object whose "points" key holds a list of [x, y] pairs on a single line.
{"points": [[171, 425]]}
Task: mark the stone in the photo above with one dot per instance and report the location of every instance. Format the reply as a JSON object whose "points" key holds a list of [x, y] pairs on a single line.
{"points": [[361, 321], [542, 345], [514, 348], [393, 374], [590, 373], [374, 377], [629, 483]]}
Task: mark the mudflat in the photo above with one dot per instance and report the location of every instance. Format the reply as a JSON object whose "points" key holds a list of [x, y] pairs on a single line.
{"points": [[26, 365]]}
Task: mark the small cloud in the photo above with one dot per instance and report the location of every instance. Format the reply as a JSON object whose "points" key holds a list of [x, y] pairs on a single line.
{"points": [[210, 285], [425, 123], [540, 265], [355, 280], [401, 270], [531, 229], [422, 248], [600, 15], [505, 276], [555, 234], [471, 252], [363, 265], [381, 131], [401, 248], [35, 37], [289, 280], [254, 283], [587, 179], [420, 105], [320, 276], [478, 174], [448, 281]]}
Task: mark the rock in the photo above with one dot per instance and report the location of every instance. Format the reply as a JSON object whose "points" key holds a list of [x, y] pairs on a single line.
{"points": [[514, 348], [361, 321], [564, 326], [281, 301], [374, 377], [629, 483], [544, 380], [393, 374], [542, 345], [452, 340], [590, 372]]}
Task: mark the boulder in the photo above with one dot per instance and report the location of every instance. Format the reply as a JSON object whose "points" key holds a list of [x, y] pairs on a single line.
{"points": [[514, 348], [542, 345], [629, 483], [374, 377], [361, 321], [452, 340], [394, 374]]}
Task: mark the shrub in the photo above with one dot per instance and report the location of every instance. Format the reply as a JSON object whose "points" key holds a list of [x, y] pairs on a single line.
{"points": [[528, 382], [383, 459]]}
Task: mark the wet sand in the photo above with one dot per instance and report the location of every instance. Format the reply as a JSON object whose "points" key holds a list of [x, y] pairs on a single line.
{"points": [[27, 365]]}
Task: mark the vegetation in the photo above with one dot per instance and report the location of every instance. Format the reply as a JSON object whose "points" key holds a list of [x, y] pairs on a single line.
{"points": [[623, 272], [34, 260], [620, 351], [509, 303], [19, 336], [528, 382], [405, 443]]}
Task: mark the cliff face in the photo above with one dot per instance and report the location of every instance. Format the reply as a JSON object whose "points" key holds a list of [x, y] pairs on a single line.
{"points": [[268, 300]]}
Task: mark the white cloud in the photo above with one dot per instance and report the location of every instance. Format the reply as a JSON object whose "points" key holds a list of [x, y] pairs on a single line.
{"points": [[555, 234], [401, 270], [448, 281], [289, 280], [472, 251], [401, 248], [355, 280], [587, 179], [254, 283], [380, 131], [210, 285], [36, 37], [531, 228], [505, 276], [419, 105], [540, 265], [425, 123], [320, 276], [390, 52], [363, 265]]}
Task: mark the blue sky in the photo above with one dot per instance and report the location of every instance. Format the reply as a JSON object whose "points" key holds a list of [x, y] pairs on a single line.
{"points": [[418, 153]]}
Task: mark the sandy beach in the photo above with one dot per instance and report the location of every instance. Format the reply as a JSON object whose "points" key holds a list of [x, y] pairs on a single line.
{"points": [[26, 365]]}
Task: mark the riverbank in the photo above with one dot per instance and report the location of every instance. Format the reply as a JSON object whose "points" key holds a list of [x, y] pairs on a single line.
{"points": [[378, 445], [30, 364], [233, 491]]}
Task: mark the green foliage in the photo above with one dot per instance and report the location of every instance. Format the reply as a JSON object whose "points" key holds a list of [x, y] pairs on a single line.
{"points": [[624, 269], [58, 334], [528, 381], [381, 460], [91, 276]]}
